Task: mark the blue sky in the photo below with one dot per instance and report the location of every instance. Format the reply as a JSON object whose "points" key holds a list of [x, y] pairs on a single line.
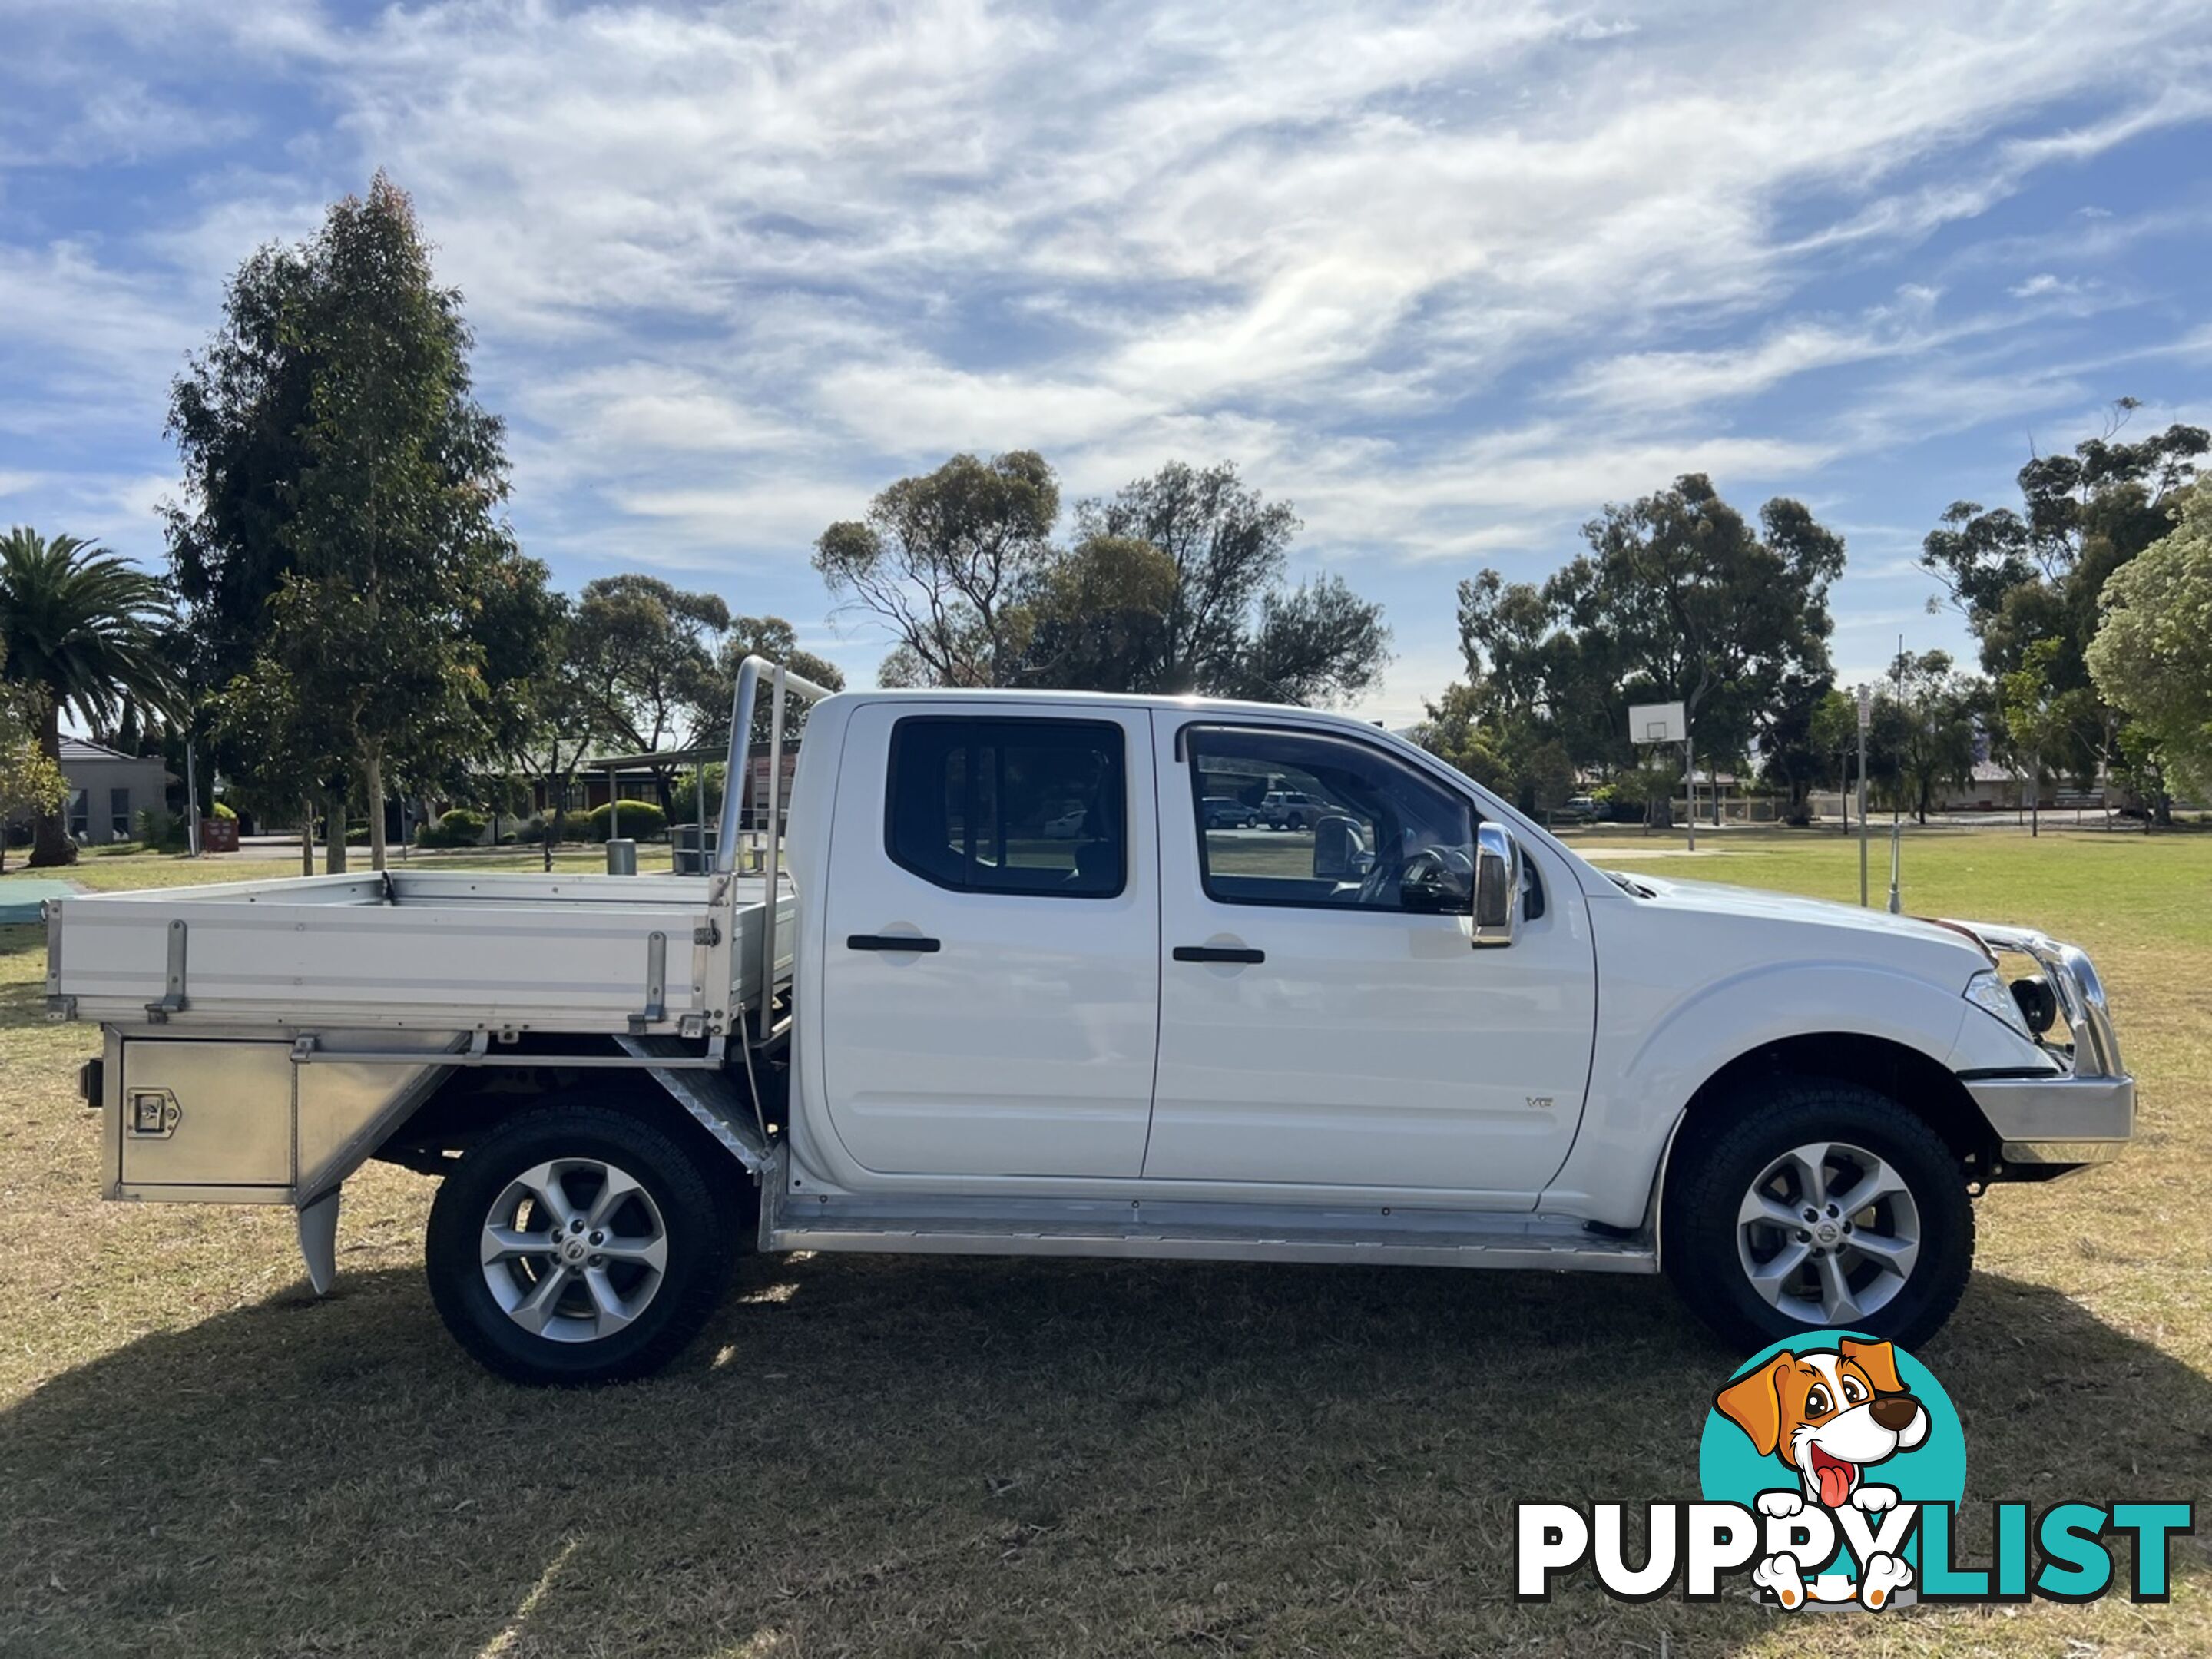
{"points": [[1446, 278]]}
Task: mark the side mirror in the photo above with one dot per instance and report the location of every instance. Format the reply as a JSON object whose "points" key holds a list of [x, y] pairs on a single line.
{"points": [[1497, 886], [1337, 849]]}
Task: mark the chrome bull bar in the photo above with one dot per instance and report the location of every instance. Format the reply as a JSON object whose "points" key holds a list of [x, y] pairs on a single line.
{"points": [[2074, 980], [2085, 1115]]}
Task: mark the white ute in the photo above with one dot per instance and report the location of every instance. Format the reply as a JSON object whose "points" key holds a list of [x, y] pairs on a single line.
{"points": [[1016, 997]]}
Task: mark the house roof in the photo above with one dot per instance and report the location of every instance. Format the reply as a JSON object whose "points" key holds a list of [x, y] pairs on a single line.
{"points": [[84, 749]]}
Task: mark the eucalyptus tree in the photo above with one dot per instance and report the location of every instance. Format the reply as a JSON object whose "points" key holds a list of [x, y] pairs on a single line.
{"points": [[1680, 597], [344, 528], [2038, 572]]}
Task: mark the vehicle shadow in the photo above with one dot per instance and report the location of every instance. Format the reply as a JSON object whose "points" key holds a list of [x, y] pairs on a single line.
{"points": [[887, 1457]]}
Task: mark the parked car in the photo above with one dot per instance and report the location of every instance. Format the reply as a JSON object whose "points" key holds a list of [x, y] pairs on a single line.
{"points": [[1227, 812], [1287, 808], [1579, 809], [1453, 1043]]}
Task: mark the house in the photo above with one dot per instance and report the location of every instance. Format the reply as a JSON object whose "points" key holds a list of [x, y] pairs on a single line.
{"points": [[108, 790]]}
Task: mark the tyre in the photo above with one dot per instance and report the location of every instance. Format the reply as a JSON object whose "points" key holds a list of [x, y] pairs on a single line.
{"points": [[1812, 1204], [577, 1244]]}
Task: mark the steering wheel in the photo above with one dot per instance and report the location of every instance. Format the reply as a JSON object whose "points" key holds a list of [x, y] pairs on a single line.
{"points": [[1430, 870], [1433, 875]]}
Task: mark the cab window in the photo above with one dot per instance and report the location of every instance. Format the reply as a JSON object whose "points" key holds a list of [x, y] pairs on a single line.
{"points": [[1373, 833], [1035, 807]]}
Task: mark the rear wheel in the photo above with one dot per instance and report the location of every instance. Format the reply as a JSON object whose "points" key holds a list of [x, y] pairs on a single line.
{"points": [[1813, 1204], [576, 1244]]}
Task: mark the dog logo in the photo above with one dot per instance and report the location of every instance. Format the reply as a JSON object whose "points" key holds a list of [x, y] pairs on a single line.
{"points": [[1828, 1415], [1821, 1436]]}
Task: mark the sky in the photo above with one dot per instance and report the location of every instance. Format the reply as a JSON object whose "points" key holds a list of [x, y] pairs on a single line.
{"points": [[1447, 278]]}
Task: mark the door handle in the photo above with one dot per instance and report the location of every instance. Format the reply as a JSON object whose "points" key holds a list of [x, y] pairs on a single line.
{"points": [[1217, 953], [913, 942]]}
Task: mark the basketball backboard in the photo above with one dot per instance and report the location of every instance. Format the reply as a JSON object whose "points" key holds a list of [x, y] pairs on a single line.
{"points": [[1657, 722]]}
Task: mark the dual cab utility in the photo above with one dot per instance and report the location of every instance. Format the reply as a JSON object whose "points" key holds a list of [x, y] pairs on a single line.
{"points": [[1019, 997]]}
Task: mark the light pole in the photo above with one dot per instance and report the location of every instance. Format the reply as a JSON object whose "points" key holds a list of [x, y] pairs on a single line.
{"points": [[1690, 770], [1866, 719], [1897, 804]]}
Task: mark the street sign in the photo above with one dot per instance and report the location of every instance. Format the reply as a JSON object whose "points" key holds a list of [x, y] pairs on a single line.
{"points": [[1866, 707], [1657, 722]]}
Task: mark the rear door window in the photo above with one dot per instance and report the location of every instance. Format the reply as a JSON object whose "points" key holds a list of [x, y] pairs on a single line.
{"points": [[1010, 806]]}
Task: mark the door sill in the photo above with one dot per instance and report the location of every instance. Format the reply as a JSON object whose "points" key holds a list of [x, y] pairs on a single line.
{"points": [[1185, 1230]]}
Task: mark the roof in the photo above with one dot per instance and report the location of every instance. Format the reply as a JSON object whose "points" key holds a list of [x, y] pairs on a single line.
{"points": [[1173, 704], [653, 760], [84, 749]]}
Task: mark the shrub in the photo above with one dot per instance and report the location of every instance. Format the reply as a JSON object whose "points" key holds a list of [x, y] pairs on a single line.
{"points": [[684, 798], [161, 830], [462, 826], [641, 821]]}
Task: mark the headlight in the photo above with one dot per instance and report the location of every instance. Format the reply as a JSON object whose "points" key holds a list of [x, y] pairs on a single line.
{"points": [[1987, 992]]}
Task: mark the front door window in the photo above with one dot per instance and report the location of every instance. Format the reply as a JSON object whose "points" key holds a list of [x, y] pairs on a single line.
{"points": [[1371, 833]]}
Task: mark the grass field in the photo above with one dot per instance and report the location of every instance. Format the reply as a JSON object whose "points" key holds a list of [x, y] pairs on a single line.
{"points": [[892, 1457]]}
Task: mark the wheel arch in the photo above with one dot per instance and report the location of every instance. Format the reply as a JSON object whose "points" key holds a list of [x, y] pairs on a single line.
{"points": [[470, 1101], [1913, 1078]]}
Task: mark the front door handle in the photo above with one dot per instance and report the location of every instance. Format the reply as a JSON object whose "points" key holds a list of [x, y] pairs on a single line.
{"points": [[893, 942], [1217, 953]]}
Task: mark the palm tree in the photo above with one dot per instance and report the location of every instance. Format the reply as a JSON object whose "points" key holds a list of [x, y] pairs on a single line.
{"points": [[84, 627]]}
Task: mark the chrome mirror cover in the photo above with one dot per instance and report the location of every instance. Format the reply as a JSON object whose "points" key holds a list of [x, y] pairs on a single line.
{"points": [[1497, 886]]}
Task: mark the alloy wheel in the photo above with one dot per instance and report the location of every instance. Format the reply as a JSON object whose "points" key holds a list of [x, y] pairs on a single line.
{"points": [[1828, 1233], [574, 1250]]}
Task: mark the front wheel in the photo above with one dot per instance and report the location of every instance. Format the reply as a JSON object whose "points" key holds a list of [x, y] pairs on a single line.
{"points": [[576, 1244], [1813, 1204]]}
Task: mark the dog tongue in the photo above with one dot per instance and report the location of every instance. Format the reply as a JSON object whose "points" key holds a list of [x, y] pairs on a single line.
{"points": [[1835, 1484]]}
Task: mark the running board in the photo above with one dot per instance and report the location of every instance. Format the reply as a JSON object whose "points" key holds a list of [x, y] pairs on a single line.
{"points": [[1181, 1230]]}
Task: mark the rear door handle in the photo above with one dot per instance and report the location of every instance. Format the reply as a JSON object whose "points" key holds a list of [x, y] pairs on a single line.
{"points": [[1217, 953], [893, 942]]}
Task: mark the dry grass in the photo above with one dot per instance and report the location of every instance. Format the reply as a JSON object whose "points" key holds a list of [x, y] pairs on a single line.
{"points": [[884, 1457]]}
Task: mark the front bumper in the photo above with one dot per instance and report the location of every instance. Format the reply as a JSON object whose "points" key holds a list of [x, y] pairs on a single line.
{"points": [[2058, 1120], [2084, 1112]]}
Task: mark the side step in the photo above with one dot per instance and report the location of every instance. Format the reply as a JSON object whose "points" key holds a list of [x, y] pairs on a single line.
{"points": [[1181, 1230]]}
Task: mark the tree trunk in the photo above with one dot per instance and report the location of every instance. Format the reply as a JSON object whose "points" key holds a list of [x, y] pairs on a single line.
{"points": [[306, 835], [553, 830], [50, 837], [334, 833], [372, 777]]}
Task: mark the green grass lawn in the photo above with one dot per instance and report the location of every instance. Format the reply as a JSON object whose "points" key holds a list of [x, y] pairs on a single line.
{"points": [[893, 1457]]}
